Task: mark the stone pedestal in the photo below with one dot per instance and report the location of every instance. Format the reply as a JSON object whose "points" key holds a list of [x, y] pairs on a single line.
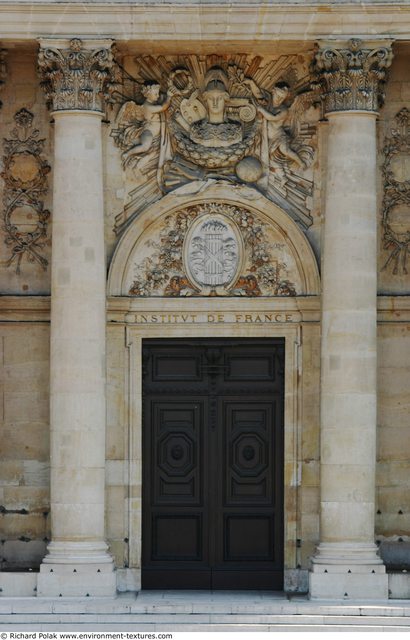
{"points": [[346, 564], [78, 562]]}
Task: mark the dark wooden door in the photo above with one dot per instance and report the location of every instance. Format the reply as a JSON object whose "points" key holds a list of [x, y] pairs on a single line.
{"points": [[213, 464]]}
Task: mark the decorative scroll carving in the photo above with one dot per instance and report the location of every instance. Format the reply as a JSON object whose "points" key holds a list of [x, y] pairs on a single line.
{"points": [[25, 172], [353, 76], [184, 123], [212, 250], [76, 77], [396, 200], [3, 69]]}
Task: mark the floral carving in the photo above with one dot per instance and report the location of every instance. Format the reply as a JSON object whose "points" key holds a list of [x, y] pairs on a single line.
{"points": [[76, 77], [353, 76], [25, 172], [165, 271], [396, 200]]}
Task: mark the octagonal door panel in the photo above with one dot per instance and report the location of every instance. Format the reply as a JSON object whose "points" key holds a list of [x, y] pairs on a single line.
{"points": [[213, 464]]}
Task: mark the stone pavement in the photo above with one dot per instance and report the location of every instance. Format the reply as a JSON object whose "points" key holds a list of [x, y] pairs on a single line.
{"points": [[201, 611]]}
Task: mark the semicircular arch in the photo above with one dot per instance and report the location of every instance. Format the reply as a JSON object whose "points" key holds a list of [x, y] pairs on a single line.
{"points": [[147, 227]]}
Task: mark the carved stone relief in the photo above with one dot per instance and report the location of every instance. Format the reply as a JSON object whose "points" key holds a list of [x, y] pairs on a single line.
{"points": [[25, 220], [213, 249], [3, 69], [186, 122], [396, 200]]}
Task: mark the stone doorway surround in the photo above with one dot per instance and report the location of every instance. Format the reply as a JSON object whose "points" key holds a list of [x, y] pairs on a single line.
{"points": [[222, 321], [224, 317]]}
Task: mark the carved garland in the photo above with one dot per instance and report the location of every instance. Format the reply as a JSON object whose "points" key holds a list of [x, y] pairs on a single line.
{"points": [[165, 271], [25, 176], [396, 237]]}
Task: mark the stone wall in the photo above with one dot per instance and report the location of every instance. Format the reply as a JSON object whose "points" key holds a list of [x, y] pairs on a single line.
{"points": [[393, 455], [24, 444]]}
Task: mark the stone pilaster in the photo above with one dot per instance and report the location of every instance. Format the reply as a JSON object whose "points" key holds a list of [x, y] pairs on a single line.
{"points": [[346, 564], [74, 75]]}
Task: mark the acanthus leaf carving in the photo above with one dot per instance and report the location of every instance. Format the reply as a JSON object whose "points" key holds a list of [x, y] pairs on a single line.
{"points": [[352, 75], [76, 77], [187, 122], [25, 220]]}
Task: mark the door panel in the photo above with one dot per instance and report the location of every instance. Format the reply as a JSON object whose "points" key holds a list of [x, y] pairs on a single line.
{"points": [[213, 464]]}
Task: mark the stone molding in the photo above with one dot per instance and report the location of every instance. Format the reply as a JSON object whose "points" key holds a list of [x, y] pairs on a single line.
{"points": [[353, 74], [76, 74]]}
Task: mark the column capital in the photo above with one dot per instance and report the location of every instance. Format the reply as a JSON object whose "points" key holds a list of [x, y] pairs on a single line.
{"points": [[353, 73], [75, 74]]}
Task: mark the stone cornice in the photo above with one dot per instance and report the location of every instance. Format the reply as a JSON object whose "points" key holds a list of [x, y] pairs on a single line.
{"points": [[256, 22], [353, 74], [75, 73]]}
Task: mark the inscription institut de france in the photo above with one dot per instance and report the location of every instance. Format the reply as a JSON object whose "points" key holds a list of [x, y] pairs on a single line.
{"points": [[214, 318]]}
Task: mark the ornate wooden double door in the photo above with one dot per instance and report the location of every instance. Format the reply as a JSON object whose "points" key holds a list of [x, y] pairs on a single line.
{"points": [[213, 464]]}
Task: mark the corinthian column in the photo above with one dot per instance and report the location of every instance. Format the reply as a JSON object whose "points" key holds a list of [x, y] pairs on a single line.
{"points": [[346, 564], [74, 74]]}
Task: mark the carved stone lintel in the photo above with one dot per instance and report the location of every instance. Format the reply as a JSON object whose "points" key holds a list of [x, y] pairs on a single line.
{"points": [[76, 74], [352, 75]]}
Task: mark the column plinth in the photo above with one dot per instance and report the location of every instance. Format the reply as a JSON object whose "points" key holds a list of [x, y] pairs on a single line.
{"points": [[78, 562], [346, 564]]}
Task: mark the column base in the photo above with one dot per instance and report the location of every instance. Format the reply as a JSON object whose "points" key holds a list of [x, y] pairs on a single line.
{"points": [[348, 572], [77, 569]]}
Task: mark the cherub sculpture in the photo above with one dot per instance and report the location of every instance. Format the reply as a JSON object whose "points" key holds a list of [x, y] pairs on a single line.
{"points": [[282, 122], [141, 131]]}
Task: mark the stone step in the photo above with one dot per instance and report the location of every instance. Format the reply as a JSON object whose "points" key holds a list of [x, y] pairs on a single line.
{"points": [[200, 611]]}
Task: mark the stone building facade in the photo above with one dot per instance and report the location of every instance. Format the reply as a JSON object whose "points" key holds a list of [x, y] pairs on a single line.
{"points": [[205, 306]]}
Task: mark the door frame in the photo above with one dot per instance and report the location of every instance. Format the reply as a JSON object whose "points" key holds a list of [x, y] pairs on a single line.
{"points": [[213, 323]]}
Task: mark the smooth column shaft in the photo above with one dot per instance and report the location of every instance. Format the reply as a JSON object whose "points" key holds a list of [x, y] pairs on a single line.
{"points": [[78, 333], [348, 398]]}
